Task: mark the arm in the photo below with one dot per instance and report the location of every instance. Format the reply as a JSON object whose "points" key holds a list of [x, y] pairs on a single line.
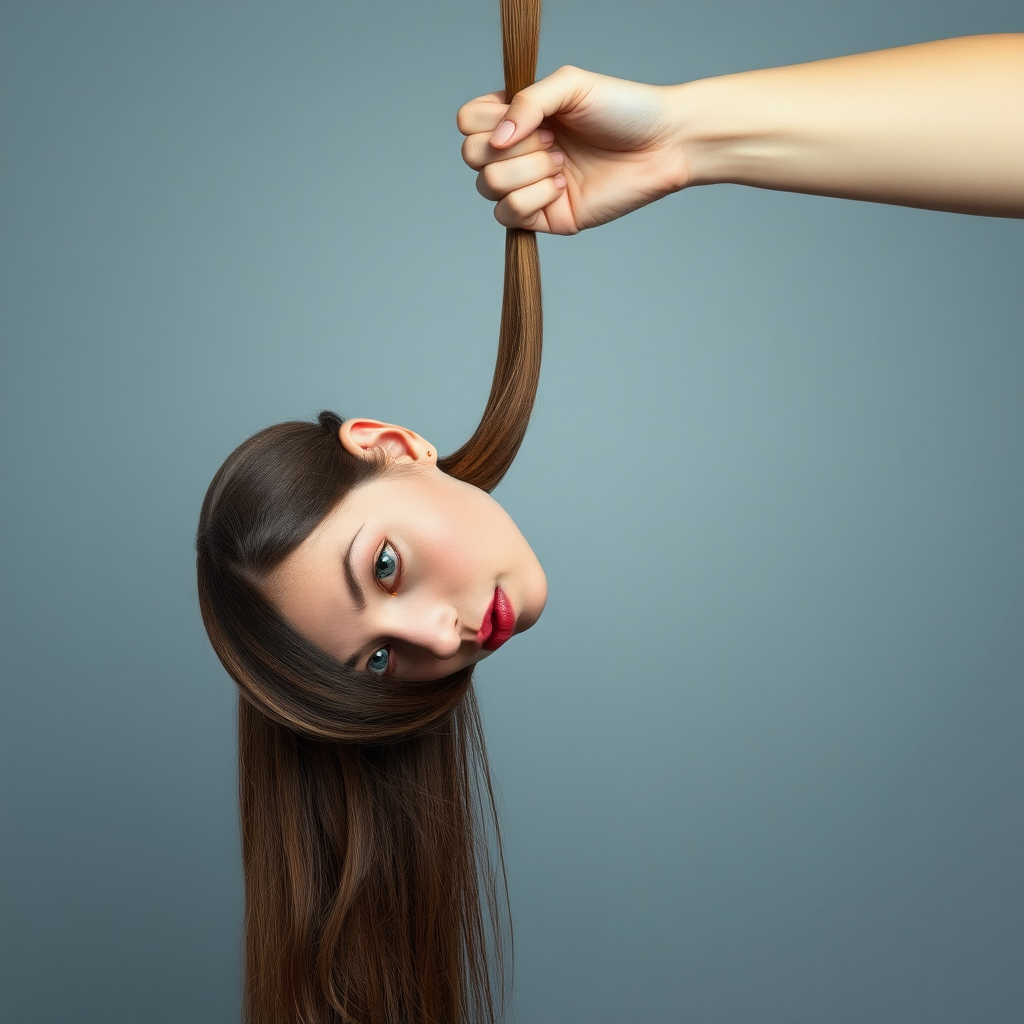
{"points": [[937, 125]]}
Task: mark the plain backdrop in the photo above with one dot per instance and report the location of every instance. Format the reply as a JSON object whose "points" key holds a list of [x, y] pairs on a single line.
{"points": [[761, 760]]}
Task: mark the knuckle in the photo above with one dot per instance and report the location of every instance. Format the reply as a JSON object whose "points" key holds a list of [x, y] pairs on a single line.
{"points": [[517, 204], [492, 176]]}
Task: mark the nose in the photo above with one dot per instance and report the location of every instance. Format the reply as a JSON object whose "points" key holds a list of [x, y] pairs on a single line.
{"points": [[432, 626]]}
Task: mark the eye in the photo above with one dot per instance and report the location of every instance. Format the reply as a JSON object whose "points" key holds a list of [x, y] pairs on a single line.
{"points": [[379, 661], [386, 568]]}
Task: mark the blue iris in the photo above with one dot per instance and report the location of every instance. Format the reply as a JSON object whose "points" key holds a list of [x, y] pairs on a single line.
{"points": [[386, 565], [379, 661]]}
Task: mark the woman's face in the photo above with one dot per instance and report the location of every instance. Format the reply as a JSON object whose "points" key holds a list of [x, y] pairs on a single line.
{"points": [[415, 574]]}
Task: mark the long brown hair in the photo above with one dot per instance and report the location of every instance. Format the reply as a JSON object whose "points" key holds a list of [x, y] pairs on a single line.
{"points": [[370, 844]]}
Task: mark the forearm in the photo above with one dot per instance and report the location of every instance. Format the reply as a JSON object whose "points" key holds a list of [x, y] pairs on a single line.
{"points": [[937, 125]]}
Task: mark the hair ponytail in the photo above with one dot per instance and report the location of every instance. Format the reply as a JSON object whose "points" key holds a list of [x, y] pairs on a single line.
{"points": [[374, 879], [486, 457]]}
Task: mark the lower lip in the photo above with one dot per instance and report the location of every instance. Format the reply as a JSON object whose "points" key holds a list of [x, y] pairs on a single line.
{"points": [[501, 619]]}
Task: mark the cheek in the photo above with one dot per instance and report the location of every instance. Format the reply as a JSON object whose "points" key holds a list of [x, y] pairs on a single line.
{"points": [[461, 539], [455, 546]]}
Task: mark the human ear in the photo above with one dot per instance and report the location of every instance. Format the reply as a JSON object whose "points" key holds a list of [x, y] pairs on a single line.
{"points": [[361, 436]]}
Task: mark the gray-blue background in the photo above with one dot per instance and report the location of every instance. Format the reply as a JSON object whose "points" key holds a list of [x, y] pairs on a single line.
{"points": [[761, 761]]}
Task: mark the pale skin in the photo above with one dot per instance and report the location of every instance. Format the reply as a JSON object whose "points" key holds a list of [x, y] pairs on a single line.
{"points": [[937, 125], [398, 579]]}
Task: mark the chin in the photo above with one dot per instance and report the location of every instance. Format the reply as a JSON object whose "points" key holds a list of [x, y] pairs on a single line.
{"points": [[534, 601]]}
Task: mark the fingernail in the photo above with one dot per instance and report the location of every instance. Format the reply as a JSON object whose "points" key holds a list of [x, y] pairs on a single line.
{"points": [[502, 133], [546, 135], [558, 158], [560, 180]]}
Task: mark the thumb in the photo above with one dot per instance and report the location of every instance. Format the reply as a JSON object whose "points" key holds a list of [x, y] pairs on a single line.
{"points": [[559, 91]]}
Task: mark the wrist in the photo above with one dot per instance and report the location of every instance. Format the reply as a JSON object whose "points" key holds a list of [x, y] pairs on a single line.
{"points": [[717, 139]]}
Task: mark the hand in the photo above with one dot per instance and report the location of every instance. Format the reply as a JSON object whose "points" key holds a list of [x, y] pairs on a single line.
{"points": [[574, 150]]}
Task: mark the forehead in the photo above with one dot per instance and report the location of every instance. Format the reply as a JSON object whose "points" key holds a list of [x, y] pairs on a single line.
{"points": [[308, 587], [336, 530]]}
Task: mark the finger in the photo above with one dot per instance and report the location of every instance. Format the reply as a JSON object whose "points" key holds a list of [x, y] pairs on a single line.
{"points": [[497, 180], [519, 209], [477, 151], [560, 91], [481, 114]]}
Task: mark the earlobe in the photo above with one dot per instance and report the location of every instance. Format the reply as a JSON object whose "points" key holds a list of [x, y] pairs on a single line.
{"points": [[362, 437]]}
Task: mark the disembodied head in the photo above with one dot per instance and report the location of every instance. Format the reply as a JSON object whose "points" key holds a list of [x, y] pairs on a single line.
{"points": [[414, 574], [339, 563]]}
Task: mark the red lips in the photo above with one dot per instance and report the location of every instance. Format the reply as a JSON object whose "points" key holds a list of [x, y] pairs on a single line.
{"points": [[499, 622]]}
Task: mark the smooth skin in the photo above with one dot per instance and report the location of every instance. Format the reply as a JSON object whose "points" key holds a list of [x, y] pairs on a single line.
{"points": [[397, 580], [936, 125]]}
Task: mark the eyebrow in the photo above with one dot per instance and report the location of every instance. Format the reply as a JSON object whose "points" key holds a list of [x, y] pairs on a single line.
{"points": [[350, 577]]}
